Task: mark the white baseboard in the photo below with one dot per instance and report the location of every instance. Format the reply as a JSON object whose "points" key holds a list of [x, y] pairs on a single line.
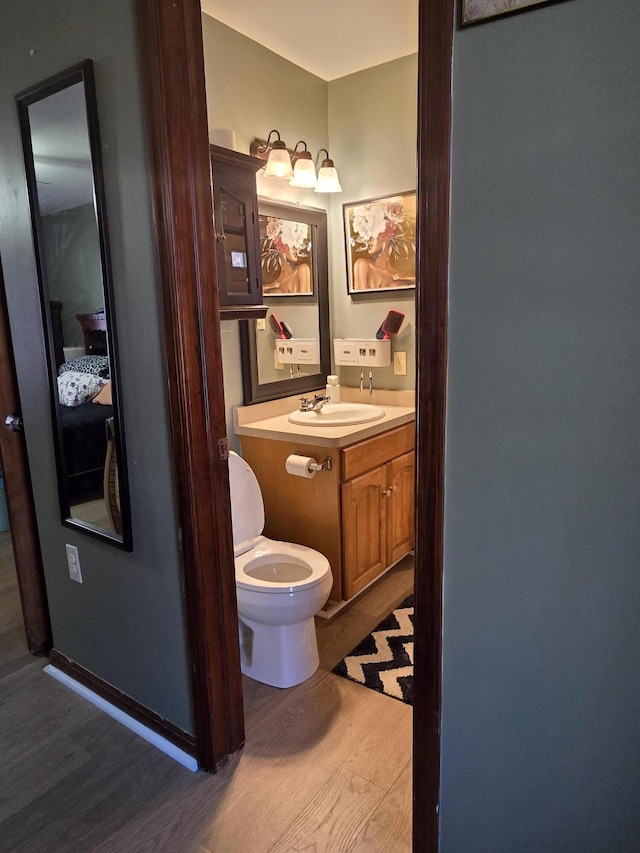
{"points": [[143, 731]]}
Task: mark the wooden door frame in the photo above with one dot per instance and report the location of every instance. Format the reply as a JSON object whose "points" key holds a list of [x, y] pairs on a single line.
{"points": [[172, 60], [172, 67], [435, 55], [19, 496]]}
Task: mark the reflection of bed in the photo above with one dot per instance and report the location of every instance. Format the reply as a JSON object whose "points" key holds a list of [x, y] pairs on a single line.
{"points": [[84, 426], [85, 448]]}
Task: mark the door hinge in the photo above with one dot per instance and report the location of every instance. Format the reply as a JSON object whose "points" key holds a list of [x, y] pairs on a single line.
{"points": [[223, 448]]}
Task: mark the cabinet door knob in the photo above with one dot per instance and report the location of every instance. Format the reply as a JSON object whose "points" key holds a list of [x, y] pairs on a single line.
{"points": [[221, 238], [388, 492]]}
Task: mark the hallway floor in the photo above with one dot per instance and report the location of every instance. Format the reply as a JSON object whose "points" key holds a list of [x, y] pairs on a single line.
{"points": [[326, 765]]}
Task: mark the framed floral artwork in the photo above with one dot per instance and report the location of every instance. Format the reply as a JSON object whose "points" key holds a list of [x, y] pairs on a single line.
{"points": [[477, 11], [289, 249], [380, 237]]}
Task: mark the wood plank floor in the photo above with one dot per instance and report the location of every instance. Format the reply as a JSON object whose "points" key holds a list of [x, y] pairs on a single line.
{"points": [[326, 766]]}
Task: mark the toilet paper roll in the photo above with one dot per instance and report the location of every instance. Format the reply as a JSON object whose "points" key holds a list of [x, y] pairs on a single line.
{"points": [[223, 136], [300, 466]]}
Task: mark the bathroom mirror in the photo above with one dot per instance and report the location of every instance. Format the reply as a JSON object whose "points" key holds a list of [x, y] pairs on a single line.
{"points": [[62, 153], [293, 260]]}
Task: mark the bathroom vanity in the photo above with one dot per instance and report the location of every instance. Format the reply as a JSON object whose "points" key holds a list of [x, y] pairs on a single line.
{"points": [[359, 511]]}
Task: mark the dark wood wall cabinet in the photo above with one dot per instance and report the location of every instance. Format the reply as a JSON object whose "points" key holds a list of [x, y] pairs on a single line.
{"points": [[237, 235]]}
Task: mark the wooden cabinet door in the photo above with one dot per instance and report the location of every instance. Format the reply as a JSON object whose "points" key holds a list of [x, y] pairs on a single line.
{"points": [[363, 530], [236, 255], [235, 213], [400, 506]]}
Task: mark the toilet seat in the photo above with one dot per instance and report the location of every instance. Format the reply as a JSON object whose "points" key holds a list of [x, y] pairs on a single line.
{"points": [[247, 506], [272, 555]]}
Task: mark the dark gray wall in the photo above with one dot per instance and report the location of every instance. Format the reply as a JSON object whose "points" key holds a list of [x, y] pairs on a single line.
{"points": [[541, 705], [125, 622]]}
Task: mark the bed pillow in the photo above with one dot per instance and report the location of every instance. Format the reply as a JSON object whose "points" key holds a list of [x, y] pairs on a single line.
{"points": [[76, 388], [98, 365], [103, 397]]}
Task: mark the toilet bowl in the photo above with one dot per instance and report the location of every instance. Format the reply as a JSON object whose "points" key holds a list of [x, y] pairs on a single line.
{"points": [[280, 586]]}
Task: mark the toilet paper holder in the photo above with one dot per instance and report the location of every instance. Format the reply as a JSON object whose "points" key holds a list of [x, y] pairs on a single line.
{"points": [[325, 465]]}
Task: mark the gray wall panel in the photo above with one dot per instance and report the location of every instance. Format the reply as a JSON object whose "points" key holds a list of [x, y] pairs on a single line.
{"points": [[542, 541], [125, 623]]}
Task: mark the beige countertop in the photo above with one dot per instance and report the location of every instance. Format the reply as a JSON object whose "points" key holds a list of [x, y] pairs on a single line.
{"points": [[271, 420]]}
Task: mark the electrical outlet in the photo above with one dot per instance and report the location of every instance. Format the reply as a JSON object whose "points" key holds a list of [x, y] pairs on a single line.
{"points": [[261, 325], [73, 561], [400, 363]]}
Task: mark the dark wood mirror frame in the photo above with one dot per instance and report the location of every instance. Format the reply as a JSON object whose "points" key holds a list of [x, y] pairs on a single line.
{"points": [[254, 390], [80, 73]]}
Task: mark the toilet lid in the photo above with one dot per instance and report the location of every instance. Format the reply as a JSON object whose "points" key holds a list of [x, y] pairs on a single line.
{"points": [[247, 507]]}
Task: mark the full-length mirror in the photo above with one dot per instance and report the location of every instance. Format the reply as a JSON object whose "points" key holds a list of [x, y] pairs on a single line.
{"points": [[60, 138], [289, 351]]}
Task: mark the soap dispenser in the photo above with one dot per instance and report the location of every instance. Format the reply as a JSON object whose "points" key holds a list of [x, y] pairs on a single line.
{"points": [[333, 389]]}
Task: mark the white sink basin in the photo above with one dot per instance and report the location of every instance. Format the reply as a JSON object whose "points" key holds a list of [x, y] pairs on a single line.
{"points": [[338, 414]]}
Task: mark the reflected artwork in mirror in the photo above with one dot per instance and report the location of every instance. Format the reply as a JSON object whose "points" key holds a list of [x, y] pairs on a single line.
{"points": [[294, 269], [62, 153]]}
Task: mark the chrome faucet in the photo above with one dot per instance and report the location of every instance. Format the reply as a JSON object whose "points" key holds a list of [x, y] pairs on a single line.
{"points": [[315, 405]]}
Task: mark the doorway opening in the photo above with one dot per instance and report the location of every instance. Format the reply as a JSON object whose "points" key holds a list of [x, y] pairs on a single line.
{"points": [[343, 114], [169, 32]]}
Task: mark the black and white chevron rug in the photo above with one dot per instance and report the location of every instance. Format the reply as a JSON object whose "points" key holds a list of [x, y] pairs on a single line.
{"points": [[383, 661]]}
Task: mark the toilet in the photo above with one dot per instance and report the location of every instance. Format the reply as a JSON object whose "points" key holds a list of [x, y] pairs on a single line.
{"points": [[280, 587]]}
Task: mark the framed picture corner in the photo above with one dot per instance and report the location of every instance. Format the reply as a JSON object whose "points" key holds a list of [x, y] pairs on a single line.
{"points": [[480, 11]]}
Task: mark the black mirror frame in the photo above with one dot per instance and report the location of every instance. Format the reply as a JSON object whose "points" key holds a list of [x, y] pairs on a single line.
{"points": [[83, 73], [254, 391]]}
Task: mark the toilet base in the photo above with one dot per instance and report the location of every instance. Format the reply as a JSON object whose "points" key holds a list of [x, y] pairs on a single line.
{"points": [[279, 655]]}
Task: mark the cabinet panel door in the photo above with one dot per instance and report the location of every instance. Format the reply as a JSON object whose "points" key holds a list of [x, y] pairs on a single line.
{"points": [[235, 214], [236, 254], [400, 507], [373, 452], [363, 530]]}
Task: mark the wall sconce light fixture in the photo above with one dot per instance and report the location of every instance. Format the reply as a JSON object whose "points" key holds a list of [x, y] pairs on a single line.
{"points": [[327, 176], [279, 162], [304, 170]]}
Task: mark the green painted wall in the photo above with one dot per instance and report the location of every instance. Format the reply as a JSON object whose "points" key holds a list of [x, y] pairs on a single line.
{"points": [[372, 127], [368, 123], [125, 623], [261, 91]]}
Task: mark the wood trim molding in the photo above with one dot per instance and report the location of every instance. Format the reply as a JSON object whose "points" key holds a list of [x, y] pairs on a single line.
{"points": [[134, 709], [20, 505], [436, 26], [170, 37]]}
